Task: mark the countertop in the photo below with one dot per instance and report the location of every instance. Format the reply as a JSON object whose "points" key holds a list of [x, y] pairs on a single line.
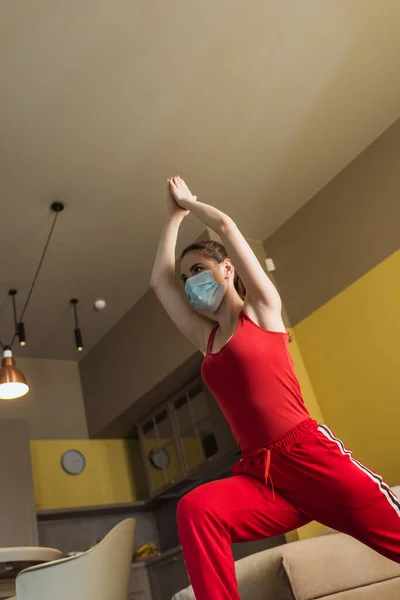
{"points": [[157, 557]]}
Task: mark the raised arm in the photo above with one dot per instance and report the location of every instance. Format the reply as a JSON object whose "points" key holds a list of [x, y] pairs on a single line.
{"points": [[195, 327], [260, 289]]}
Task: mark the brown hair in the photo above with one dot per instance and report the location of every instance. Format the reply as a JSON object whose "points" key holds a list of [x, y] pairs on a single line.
{"points": [[217, 252]]}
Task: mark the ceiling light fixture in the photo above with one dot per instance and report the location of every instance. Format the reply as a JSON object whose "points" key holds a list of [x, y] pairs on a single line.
{"points": [[100, 304], [77, 331], [12, 381]]}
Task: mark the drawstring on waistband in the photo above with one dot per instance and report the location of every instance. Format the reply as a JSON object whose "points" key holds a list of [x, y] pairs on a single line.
{"points": [[267, 463], [267, 474], [257, 462], [260, 458]]}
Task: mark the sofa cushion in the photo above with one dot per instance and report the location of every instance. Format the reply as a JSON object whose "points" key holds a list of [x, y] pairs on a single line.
{"points": [[384, 590], [330, 564], [396, 490]]}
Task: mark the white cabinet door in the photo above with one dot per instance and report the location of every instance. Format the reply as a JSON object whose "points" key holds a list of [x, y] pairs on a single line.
{"points": [[168, 577]]}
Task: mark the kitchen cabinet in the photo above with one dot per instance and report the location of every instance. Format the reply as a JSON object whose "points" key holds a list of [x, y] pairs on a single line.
{"points": [[139, 588], [167, 575], [160, 449], [182, 434]]}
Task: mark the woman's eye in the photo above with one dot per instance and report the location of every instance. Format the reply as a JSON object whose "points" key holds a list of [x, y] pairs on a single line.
{"points": [[197, 270]]}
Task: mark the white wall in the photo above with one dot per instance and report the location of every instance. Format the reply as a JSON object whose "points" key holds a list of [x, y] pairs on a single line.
{"points": [[54, 405]]}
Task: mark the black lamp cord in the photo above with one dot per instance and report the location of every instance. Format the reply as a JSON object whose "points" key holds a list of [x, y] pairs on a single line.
{"points": [[34, 280], [14, 310]]}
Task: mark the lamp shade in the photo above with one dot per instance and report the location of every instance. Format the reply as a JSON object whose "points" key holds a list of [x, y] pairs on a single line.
{"points": [[12, 382]]}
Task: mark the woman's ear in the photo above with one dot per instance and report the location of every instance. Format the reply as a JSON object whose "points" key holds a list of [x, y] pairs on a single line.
{"points": [[229, 268]]}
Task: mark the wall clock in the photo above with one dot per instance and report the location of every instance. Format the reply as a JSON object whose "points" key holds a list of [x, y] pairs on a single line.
{"points": [[159, 458], [73, 462]]}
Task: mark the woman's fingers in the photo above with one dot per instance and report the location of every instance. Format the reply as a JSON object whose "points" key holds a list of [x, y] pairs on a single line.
{"points": [[176, 180]]}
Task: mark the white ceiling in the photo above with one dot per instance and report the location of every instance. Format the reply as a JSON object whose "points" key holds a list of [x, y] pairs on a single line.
{"points": [[258, 104]]}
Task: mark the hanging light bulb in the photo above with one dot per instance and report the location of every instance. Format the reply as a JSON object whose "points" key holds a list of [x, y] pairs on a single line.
{"points": [[21, 333], [77, 331], [12, 382], [78, 339]]}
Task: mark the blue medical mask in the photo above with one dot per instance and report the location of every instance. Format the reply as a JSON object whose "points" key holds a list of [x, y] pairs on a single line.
{"points": [[203, 292]]}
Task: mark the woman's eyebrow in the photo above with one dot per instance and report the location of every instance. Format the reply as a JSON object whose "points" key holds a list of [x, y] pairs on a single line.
{"points": [[183, 276], [192, 268]]}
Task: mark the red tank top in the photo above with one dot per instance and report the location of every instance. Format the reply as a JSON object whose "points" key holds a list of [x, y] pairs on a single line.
{"points": [[252, 378]]}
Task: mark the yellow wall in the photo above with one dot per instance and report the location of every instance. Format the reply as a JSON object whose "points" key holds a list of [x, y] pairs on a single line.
{"points": [[311, 402], [350, 349], [307, 389], [111, 476]]}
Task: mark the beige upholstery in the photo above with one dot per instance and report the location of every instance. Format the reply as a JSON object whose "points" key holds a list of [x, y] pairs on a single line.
{"points": [[333, 564], [385, 590], [396, 490], [102, 573]]}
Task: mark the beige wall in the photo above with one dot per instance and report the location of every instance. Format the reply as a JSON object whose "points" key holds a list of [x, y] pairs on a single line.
{"points": [[142, 349], [347, 228], [54, 405], [140, 362], [18, 525]]}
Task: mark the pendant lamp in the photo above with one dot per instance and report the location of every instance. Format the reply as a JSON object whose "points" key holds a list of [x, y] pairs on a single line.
{"points": [[77, 331], [12, 381]]}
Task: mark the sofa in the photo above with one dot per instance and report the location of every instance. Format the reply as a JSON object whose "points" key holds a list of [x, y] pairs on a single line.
{"points": [[332, 567]]}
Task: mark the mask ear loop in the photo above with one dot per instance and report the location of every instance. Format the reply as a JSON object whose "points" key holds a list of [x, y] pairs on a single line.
{"points": [[215, 268], [212, 271]]}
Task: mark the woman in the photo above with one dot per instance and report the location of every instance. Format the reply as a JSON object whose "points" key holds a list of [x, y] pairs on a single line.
{"points": [[292, 470]]}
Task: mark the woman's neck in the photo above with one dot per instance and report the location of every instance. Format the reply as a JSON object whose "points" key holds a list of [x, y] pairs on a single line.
{"points": [[229, 310]]}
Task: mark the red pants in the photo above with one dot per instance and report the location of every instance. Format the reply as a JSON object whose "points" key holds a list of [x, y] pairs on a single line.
{"points": [[314, 477]]}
